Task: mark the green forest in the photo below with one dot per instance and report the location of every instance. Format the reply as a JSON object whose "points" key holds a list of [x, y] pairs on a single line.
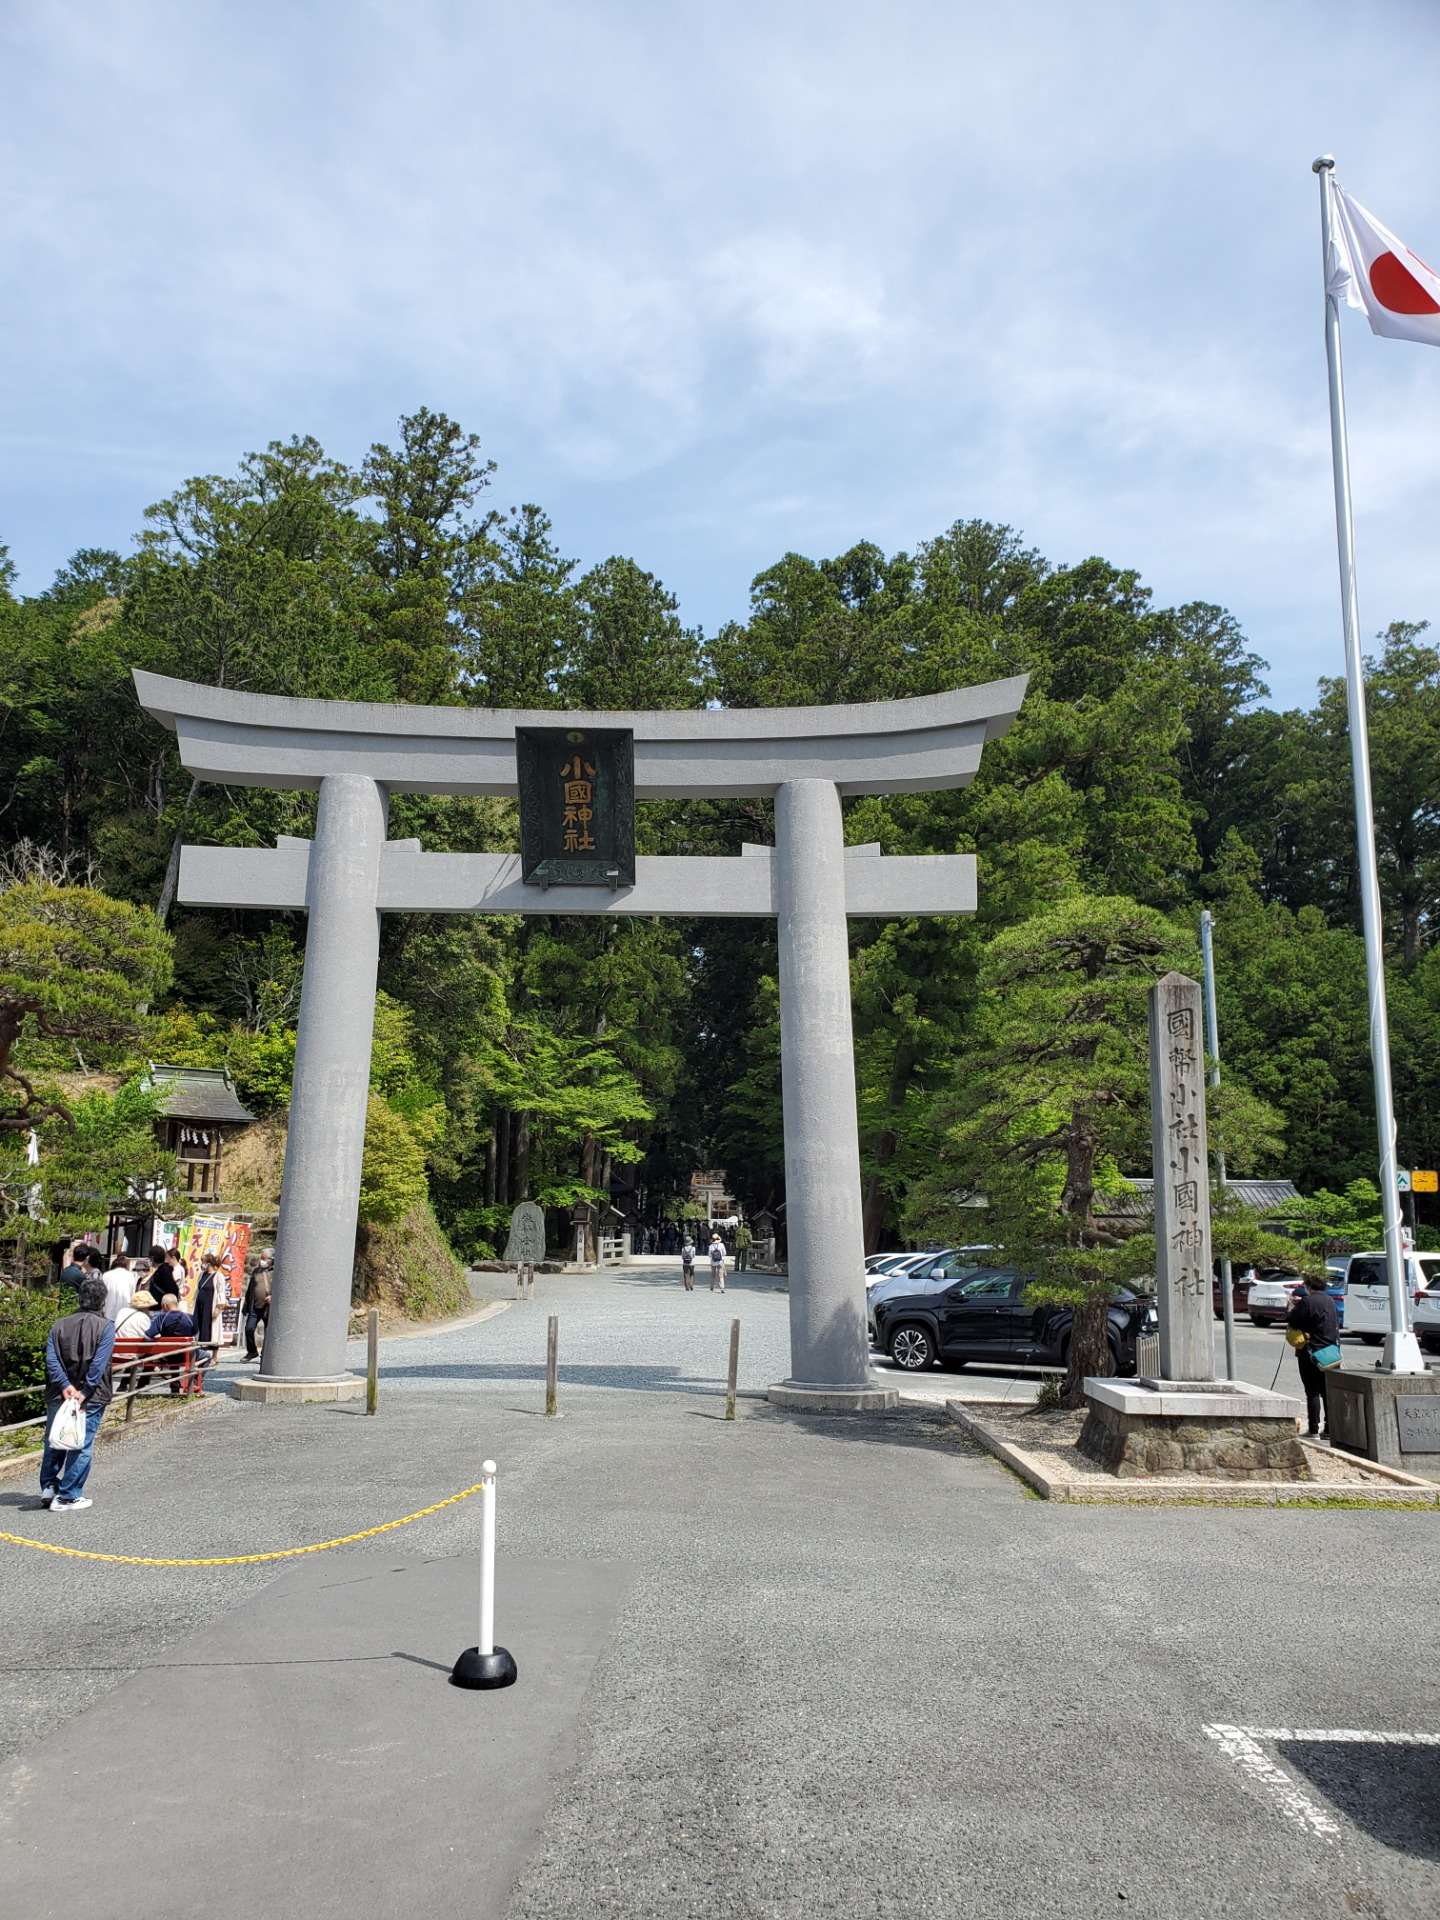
{"points": [[1146, 778]]}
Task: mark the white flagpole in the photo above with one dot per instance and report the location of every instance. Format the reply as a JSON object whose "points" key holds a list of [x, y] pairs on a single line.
{"points": [[1402, 1349]]}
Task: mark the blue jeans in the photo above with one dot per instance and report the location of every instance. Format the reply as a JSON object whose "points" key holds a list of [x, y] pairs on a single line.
{"points": [[66, 1473]]}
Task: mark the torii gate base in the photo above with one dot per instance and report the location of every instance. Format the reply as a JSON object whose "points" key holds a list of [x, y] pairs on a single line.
{"points": [[355, 756]]}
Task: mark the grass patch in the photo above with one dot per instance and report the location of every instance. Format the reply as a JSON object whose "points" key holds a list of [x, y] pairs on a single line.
{"points": [[409, 1270]]}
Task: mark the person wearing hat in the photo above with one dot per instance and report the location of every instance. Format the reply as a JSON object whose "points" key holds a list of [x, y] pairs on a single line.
{"points": [[133, 1322]]}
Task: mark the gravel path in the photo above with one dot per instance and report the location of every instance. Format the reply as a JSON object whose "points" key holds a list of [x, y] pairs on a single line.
{"points": [[631, 1330]]}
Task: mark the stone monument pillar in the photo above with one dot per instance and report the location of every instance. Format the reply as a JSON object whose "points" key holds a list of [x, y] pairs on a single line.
{"points": [[304, 1356], [1182, 1180], [829, 1351], [1187, 1421]]}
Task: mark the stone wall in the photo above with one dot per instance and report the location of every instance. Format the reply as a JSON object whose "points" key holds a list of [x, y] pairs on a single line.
{"points": [[1222, 1447]]}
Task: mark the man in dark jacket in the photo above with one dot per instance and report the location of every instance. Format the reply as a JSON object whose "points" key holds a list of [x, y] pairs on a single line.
{"points": [[1314, 1315], [77, 1367], [257, 1305], [171, 1322]]}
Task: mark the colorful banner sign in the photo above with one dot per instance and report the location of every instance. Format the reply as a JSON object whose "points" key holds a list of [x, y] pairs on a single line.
{"points": [[208, 1233]]}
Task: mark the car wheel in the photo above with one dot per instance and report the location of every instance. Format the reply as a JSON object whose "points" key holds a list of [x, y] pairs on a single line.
{"points": [[1373, 1339], [1258, 1320], [912, 1348]]}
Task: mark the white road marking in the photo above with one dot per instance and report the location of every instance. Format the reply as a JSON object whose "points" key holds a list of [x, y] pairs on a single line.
{"points": [[1340, 1735], [1243, 1746]]}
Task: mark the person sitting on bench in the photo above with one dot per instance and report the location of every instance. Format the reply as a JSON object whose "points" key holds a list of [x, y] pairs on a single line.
{"points": [[171, 1324]]}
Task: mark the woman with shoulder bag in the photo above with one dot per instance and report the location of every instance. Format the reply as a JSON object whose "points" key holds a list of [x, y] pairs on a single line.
{"points": [[1314, 1317]]}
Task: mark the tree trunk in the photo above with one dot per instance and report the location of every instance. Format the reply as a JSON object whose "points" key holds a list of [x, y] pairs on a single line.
{"points": [[489, 1188], [1089, 1353], [521, 1188], [876, 1198], [172, 866], [589, 1155], [1089, 1350], [502, 1157]]}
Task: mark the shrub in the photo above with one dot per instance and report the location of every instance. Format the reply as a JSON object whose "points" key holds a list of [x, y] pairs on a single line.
{"points": [[26, 1317], [392, 1176]]}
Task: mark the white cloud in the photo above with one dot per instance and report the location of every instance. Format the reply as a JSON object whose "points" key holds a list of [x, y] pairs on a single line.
{"points": [[713, 282]]}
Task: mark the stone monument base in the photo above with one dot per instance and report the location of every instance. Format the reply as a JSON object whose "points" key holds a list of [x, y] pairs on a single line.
{"points": [[1390, 1417], [1225, 1429], [271, 1393], [875, 1397]]}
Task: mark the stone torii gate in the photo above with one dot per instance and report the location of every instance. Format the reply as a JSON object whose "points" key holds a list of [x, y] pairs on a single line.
{"points": [[355, 755]]}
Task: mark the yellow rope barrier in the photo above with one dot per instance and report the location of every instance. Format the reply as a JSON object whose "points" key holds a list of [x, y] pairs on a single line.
{"points": [[242, 1559]]}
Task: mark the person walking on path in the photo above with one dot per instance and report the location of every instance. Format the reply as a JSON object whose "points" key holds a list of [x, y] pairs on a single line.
{"points": [[257, 1305], [717, 1263], [744, 1240], [687, 1264], [1314, 1315], [77, 1367]]}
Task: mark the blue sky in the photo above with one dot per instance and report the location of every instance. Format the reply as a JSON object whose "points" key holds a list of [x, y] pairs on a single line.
{"points": [[714, 282]]}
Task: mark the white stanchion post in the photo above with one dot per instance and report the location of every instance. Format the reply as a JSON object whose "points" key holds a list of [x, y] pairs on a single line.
{"points": [[487, 1560], [486, 1666]]}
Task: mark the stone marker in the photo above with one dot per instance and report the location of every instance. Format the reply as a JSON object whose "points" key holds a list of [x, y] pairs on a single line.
{"points": [[526, 1245], [1182, 1180], [1186, 1422]]}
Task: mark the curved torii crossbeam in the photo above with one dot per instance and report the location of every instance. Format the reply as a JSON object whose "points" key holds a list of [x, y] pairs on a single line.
{"points": [[356, 754]]}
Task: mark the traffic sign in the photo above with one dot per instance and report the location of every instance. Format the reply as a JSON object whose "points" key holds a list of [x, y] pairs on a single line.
{"points": [[1424, 1180], [1402, 1179]]}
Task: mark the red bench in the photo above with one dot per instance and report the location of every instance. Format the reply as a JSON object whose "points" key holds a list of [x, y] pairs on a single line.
{"points": [[181, 1361]]}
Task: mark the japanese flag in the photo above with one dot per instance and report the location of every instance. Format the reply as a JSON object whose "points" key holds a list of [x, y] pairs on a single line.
{"points": [[1370, 269]]}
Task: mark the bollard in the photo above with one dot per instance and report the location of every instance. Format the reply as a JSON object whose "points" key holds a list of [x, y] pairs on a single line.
{"points": [[552, 1365], [734, 1372], [372, 1359], [485, 1666]]}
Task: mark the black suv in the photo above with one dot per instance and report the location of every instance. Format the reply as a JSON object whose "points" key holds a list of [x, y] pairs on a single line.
{"points": [[984, 1317]]}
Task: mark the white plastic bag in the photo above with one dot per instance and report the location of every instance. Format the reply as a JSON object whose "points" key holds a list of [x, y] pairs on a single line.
{"points": [[67, 1429]]}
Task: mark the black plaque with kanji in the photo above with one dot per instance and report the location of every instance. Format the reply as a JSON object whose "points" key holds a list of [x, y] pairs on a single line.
{"points": [[577, 806]]}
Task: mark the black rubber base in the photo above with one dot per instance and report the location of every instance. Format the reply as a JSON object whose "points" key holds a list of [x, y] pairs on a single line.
{"points": [[484, 1670]]}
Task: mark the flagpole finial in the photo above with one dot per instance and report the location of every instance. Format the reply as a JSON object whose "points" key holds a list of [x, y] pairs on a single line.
{"points": [[1325, 164]]}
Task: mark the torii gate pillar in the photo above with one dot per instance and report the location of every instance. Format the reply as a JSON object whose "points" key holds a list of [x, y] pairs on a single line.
{"points": [[354, 756], [829, 1351]]}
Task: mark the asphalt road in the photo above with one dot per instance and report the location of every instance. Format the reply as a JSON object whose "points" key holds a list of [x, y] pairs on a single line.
{"points": [[831, 1667]]}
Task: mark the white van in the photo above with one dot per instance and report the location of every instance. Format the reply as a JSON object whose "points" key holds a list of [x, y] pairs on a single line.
{"points": [[1367, 1291]]}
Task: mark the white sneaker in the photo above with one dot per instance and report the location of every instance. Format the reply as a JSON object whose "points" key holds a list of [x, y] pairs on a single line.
{"points": [[58, 1505]]}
